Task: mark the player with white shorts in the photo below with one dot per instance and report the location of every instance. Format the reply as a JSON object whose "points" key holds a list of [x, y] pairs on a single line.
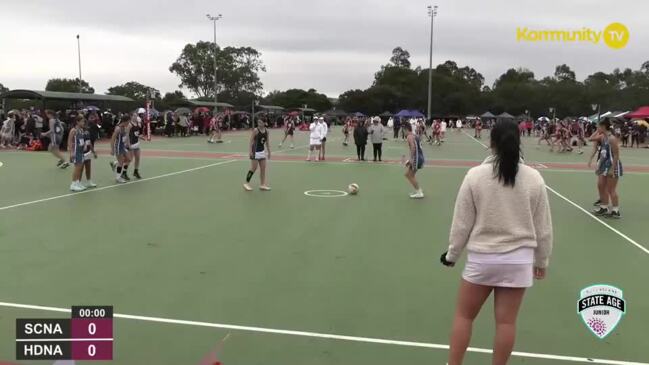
{"points": [[315, 139], [259, 152]]}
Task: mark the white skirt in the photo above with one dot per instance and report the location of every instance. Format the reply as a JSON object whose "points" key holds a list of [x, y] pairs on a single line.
{"points": [[504, 276], [514, 269], [315, 142]]}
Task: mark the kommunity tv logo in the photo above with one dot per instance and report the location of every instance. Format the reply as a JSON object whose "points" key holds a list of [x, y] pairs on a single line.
{"points": [[615, 35]]}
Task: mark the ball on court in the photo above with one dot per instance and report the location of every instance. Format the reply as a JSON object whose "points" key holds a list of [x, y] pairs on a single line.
{"points": [[352, 189]]}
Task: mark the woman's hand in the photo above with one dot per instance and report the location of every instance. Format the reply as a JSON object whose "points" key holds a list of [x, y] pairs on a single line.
{"points": [[539, 273], [444, 262]]}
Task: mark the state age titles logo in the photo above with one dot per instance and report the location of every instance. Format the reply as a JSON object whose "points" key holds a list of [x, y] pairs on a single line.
{"points": [[601, 307]]}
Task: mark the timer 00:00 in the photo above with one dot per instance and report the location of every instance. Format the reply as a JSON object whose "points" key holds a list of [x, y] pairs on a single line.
{"points": [[92, 313]]}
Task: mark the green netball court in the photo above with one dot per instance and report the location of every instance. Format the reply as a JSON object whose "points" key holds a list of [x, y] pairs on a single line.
{"points": [[186, 257]]}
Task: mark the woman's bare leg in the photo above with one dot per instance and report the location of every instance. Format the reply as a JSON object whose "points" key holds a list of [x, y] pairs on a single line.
{"points": [[470, 299], [262, 172], [611, 191], [602, 189], [507, 302], [88, 169], [410, 175]]}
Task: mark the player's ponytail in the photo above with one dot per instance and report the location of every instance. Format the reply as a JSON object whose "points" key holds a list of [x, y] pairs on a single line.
{"points": [[506, 145]]}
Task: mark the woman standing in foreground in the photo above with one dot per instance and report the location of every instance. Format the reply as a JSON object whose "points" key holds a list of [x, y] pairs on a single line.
{"points": [[502, 217]]}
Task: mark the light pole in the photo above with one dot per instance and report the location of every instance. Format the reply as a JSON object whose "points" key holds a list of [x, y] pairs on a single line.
{"points": [[216, 85], [432, 13], [79, 54], [254, 120]]}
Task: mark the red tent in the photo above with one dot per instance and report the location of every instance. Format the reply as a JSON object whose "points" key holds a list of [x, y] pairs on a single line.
{"points": [[642, 112]]}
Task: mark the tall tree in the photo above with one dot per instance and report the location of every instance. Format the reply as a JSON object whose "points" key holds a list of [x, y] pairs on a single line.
{"points": [[135, 90], [3, 89], [296, 98], [69, 85], [564, 73], [238, 69], [400, 58]]}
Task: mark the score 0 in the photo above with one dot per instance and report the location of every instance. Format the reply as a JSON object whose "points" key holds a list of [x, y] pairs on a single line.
{"points": [[91, 329]]}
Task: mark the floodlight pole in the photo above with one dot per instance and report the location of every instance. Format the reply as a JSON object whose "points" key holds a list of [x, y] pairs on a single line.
{"points": [[79, 54], [432, 13], [214, 19]]}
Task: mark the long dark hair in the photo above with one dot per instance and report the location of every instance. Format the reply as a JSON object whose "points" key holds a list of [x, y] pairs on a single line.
{"points": [[506, 143]]}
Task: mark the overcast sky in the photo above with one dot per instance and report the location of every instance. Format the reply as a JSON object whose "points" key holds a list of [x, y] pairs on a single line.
{"points": [[329, 45]]}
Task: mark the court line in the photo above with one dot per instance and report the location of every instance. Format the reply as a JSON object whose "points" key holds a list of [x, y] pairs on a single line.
{"points": [[331, 336], [627, 238], [115, 186]]}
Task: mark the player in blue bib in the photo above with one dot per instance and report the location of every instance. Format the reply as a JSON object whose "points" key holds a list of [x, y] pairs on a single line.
{"points": [[609, 170], [55, 134], [77, 145], [119, 148]]}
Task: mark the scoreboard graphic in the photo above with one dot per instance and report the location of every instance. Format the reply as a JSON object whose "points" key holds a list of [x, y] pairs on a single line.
{"points": [[87, 335]]}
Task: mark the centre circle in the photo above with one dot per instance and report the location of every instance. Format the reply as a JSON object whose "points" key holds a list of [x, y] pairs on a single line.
{"points": [[325, 193]]}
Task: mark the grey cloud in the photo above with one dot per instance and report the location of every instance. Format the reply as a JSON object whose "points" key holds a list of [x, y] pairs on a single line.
{"points": [[477, 33]]}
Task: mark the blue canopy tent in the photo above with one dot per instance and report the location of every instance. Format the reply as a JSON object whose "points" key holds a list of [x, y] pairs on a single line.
{"points": [[409, 114]]}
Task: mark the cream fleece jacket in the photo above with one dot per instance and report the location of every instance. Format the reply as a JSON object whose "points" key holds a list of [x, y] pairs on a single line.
{"points": [[492, 218]]}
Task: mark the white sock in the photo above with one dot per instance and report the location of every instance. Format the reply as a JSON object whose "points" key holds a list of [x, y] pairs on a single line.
{"points": [[602, 206], [616, 209]]}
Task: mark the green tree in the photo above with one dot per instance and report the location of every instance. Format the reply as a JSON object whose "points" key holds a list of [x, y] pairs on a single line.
{"points": [[564, 73], [171, 100], [135, 90], [516, 91], [3, 89], [238, 69], [400, 58], [296, 98], [69, 85]]}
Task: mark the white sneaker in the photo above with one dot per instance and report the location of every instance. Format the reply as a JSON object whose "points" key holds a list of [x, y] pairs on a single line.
{"points": [[89, 184], [417, 195], [264, 188], [77, 187], [120, 180], [247, 187]]}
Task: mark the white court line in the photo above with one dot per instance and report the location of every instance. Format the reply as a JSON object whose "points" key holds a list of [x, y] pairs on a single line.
{"points": [[641, 247], [115, 186], [627, 238], [330, 336]]}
